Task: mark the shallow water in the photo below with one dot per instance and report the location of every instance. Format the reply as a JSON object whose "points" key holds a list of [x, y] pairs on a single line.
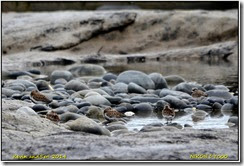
{"points": [[207, 123]]}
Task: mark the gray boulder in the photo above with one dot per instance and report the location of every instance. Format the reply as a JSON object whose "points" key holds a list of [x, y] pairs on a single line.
{"points": [[143, 110], [27, 111], [219, 93], [187, 87], [174, 79], [165, 92], [136, 77], [60, 74], [65, 117], [109, 76], [175, 102], [75, 85], [97, 100], [158, 80], [120, 87], [134, 88]]}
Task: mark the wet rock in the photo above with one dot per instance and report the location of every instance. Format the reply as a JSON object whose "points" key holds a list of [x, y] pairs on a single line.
{"points": [[8, 92], [92, 93], [83, 104], [177, 125], [159, 107], [174, 79], [175, 102], [95, 113], [158, 80], [39, 107], [204, 107], [87, 125], [136, 77], [217, 87], [109, 76], [60, 74], [151, 128], [26, 83], [61, 81], [165, 92], [113, 99], [121, 109], [70, 108], [17, 96], [120, 88], [128, 106], [87, 70], [219, 93], [146, 99], [34, 71], [116, 133], [227, 109], [108, 90], [187, 87], [65, 103], [65, 117], [83, 110], [187, 125], [75, 85], [97, 100], [233, 100], [42, 85], [216, 99], [199, 115], [26, 111], [143, 110], [234, 119], [17, 88], [54, 104], [156, 124], [116, 127], [217, 106], [94, 85], [134, 88], [59, 87], [25, 77]]}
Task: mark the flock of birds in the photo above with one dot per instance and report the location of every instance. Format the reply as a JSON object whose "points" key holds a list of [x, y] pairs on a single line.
{"points": [[109, 113]]}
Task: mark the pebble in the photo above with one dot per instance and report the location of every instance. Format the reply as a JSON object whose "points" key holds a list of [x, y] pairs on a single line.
{"points": [[143, 110]]}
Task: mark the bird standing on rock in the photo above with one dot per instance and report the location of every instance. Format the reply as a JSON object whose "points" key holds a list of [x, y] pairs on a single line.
{"points": [[111, 114], [168, 113], [198, 93], [39, 98]]}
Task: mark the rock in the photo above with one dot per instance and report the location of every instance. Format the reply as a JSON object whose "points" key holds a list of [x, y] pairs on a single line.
{"points": [[91, 94], [75, 85], [116, 127], [175, 102], [42, 85], [95, 113], [151, 129], [156, 124], [146, 99], [173, 80], [60, 81], [134, 88], [65, 103], [234, 119], [216, 87], [108, 90], [87, 70], [136, 77], [227, 109], [217, 106], [34, 71], [17, 88], [60, 74], [219, 93], [87, 125], [94, 85], [27, 84], [215, 99], [187, 125], [65, 117], [199, 115], [8, 92], [120, 88], [82, 93], [109, 76], [204, 107], [116, 133], [177, 125], [17, 96], [83, 104], [158, 80], [27, 111], [233, 100], [71, 108], [39, 107], [159, 107], [165, 92], [143, 110], [97, 100], [113, 100], [54, 104], [187, 87]]}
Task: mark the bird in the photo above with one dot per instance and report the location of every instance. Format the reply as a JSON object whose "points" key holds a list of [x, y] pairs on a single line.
{"points": [[198, 93], [111, 114], [168, 113], [53, 116], [39, 98]]}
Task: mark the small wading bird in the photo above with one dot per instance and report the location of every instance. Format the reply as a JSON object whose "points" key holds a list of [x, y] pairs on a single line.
{"points": [[53, 116], [168, 113], [197, 93], [112, 115], [39, 98]]}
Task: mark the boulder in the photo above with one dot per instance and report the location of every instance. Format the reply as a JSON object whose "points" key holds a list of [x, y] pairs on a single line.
{"points": [[224, 94], [97, 100], [134, 88], [158, 80], [60, 74], [165, 92], [75, 85], [143, 110], [175, 102], [187, 87]]}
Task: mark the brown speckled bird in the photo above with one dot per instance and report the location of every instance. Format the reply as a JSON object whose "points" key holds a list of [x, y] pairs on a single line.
{"points": [[198, 93], [53, 116], [111, 114], [168, 113], [39, 98]]}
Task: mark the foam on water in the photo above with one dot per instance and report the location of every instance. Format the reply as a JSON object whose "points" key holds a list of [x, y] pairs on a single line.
{"points": [[207, 123]]}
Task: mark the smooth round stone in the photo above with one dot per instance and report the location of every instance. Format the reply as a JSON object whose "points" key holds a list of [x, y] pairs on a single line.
{"points": [[156, 124], [26, 83], [146, 99], [54, 104], [187, 87], [25, 97], [87, 70], [71, 108], [83, 110], [126, 101], [80, 105], [233, 100], [217, 106], [219, 93], [87, 125], [174, 79], [109, 76], [39, 107], [227, 109], [120, 88], [17, 88], [113, 100], [175, 102], [134, 88], [177, 125], [8, 92], [58, 87], [105, 83], [34, 71], [199, 115], [78, 100], [121, 109], [234, 119], [221, 87], [95, 113], [136, 77], [60, 81], [187, 125], [97, 100], [91, 94], [204, 107], [143, 110], [60, 74], [25, 77], [65, 117], [216, 99], [108, 90], [128, 106], [26, 111], [70, 92], [94, 85], [16, 74], [116, 133], [65, 103], [17, 96], [158, 80], [29, 89], [165, 92], [205, 102], [116, 127], [75, 86], [58, 97], [99, 80], [42, 85]]}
